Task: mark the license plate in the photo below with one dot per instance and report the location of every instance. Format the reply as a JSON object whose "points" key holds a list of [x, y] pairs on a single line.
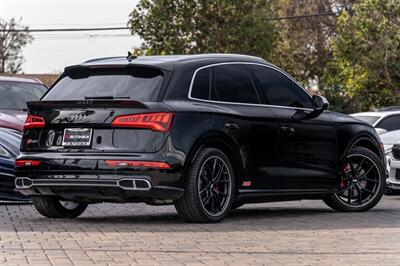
{"points": [[77, 137]]}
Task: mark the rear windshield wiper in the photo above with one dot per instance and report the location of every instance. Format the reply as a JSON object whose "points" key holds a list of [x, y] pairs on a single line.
{"points": [[106, 97]]}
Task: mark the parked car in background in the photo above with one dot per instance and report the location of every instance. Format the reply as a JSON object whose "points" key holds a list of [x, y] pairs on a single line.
{"points": [[388, 140], [14, 94], [384, 120], [10, 141], [394, 172], [204, 132]]}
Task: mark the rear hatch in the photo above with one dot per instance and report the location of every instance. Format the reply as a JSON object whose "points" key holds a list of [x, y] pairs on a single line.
{"points": [[100, 110]]}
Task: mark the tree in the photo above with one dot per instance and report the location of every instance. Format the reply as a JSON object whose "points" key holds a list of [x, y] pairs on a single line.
{"points": [[365, 65], [303, 47], [11, 44], [186, 27]]}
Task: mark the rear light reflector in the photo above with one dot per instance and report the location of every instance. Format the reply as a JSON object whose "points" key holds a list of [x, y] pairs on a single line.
{"points": [[20, 163], [154, 121], [146, 164], [33, 121]]}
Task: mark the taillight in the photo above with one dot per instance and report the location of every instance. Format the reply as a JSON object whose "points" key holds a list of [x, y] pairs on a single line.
{"points": [[34, 121], [146, 164], [20, 163], [154, 121]]}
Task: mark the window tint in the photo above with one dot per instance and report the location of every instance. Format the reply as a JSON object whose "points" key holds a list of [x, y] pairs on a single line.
{"points": [[138, 83], [390, 123], [232, 83], [201, 84], [278, 89]]}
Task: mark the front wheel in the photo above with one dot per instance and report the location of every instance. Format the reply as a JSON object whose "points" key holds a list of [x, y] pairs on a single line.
{"points": [[362, 182], [52, 207], [209, 188]]}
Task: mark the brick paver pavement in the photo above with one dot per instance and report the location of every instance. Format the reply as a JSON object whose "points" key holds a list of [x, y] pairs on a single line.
{"points": [[289, 233]]}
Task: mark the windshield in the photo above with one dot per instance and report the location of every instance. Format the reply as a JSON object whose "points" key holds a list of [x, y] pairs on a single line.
{"points": [[138, 83], [15, 95], [369, 119]]}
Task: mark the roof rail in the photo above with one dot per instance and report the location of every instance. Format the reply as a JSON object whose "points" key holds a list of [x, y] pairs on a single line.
{"points": [[389, 108]]}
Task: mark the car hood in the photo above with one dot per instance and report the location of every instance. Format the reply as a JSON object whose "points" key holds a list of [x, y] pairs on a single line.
{"points": [[12, 119], [391, 137]]}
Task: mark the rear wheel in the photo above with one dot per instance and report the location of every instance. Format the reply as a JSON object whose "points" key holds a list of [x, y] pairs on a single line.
{"points": [[209, 188], [362, 184], [52, 207]]}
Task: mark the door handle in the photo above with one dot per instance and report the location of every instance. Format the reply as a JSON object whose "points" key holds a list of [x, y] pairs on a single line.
{"points": [[287, 130], [231, 126]]}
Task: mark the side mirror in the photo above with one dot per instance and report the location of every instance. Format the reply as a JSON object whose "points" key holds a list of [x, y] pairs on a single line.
{"points": [[320, 103]]}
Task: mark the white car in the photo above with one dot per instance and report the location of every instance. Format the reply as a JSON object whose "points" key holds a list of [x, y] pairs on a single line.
{"points": [[384, 120], [389, 139], [394, 173]]}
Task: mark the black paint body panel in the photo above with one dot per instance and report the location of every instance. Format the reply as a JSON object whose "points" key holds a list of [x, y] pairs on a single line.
{"points": [[280, 165]]}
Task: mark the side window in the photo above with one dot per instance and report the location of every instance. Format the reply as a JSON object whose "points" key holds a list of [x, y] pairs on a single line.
{"points": [[201, 84], [277, 89], [232, 83], [390, 123]]}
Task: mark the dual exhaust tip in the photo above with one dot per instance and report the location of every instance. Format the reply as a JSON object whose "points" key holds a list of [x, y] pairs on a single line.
{"points": [[123, 183]]}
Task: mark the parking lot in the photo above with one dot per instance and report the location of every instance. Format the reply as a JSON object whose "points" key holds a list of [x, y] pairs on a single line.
{"points": [[293, 233]]}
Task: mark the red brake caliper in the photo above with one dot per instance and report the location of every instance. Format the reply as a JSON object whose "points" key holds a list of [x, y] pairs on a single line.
{"points": [[346, 170]]}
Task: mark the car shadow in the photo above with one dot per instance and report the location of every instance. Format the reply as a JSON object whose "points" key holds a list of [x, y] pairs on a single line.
{"points": [[304, 215]]}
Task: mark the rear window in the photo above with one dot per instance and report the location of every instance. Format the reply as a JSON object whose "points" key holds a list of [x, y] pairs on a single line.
{"points": [[141, 84], [15, 95]]}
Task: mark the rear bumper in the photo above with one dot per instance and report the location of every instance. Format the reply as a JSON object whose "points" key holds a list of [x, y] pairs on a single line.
{"points": [[87, 178], [132, 189]]}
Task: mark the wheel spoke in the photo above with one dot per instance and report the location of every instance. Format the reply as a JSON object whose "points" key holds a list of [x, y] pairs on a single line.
{"points": [[343, 190], [353, 170], [205, 188], [212, 203], [208, 171], [206, 201], [350, 195], [359, 166], [359, 194], [369, 179], [218, 201], [367, 190], [221, 193], [214, 167], [218, 175], [367, 172]]}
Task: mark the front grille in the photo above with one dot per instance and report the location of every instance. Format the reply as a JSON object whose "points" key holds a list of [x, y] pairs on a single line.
{"points": [[398, 174], [396, 152]]}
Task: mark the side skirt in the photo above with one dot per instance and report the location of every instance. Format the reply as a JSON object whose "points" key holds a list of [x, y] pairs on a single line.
{"points": [[269, 195]]}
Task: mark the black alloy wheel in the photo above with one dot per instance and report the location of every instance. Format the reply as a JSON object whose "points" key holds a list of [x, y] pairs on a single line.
{"points": [[362, 182], [209, 188], [214, 185]]}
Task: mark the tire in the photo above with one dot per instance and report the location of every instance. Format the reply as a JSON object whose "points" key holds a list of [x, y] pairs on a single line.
{"points": [[236, 205], [199, 202], [337, 202], [52, 207]]}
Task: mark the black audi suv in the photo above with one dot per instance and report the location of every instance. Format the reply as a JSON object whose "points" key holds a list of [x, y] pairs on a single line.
{"points": [[207, 133]]}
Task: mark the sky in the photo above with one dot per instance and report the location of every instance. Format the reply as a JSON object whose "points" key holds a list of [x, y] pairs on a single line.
{"points": [[52, 52]]}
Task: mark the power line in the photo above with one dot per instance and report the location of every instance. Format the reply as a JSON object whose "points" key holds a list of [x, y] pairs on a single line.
{"points": [[65, 29], [305, 16], [126, 28]]}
